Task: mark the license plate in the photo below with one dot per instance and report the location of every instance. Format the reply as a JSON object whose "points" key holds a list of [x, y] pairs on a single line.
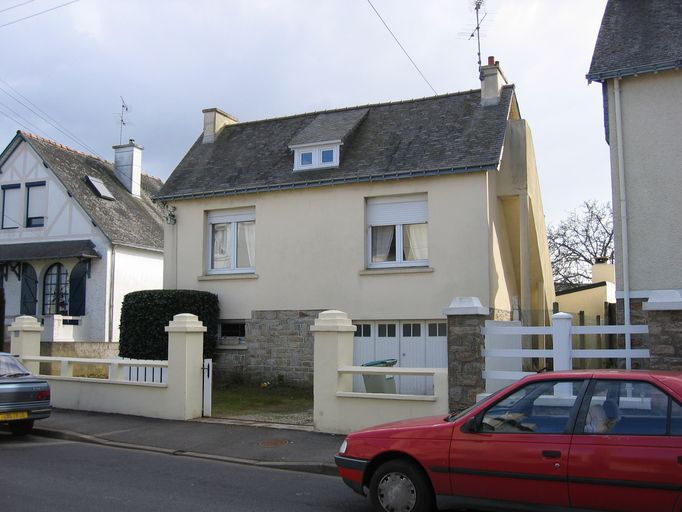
{"points": [[8, 416]]}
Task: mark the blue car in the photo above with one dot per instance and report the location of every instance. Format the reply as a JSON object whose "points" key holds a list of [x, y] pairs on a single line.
{"points": [[23, 397]]}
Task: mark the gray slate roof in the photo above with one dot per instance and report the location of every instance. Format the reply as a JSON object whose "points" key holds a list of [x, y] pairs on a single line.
{"points": [[638, 36], [48, 250], [437, 135], [130, 221]]}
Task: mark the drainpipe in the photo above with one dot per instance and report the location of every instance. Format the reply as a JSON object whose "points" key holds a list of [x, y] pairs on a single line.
{"points": [[111, 293], [623, 216]]}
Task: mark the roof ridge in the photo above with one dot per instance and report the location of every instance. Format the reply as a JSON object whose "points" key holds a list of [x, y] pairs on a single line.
{"points": [[358, 107], [59, 145]]}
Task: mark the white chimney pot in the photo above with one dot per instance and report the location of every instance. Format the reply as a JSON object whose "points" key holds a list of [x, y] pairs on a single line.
{"points": [[128, 166]]}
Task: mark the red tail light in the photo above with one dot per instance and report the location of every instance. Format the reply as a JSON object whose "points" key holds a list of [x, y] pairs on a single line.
{"points": [[43, 395]]}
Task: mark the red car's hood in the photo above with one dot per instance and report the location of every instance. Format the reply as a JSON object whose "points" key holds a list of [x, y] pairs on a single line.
{"points": [[430, 426]]}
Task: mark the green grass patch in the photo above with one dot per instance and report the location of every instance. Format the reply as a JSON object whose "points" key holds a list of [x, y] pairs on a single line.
{"points": [[243, 399]]}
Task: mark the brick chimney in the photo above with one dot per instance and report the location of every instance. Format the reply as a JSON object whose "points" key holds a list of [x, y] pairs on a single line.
{"points": [[214, 120], [128, 166], [492, 80]]}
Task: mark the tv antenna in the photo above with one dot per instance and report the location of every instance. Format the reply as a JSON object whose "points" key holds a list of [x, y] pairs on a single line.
{"points": [[477, 32], [124, 111]]}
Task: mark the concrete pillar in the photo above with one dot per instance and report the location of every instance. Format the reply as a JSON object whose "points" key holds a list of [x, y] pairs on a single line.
{"points": [[25, 340], [664, 315], [466, 319], [333, 348], [185, 359], [561, 341]]}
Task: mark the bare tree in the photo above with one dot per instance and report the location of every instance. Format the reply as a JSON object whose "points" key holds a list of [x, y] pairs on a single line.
{"points": [[579, 240]]}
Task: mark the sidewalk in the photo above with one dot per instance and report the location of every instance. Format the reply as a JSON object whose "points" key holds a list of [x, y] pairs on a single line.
{"points": [[243, 442]]}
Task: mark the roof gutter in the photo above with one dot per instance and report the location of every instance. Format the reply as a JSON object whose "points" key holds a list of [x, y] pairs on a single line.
{"points": [[635, 70], [330, 182]]}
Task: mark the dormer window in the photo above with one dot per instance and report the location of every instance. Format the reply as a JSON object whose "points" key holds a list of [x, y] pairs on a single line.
{"points": [[306, 158], [316, 157]]}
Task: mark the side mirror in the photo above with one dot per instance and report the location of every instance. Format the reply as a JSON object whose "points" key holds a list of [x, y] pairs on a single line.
{"points": [[471, 426]]}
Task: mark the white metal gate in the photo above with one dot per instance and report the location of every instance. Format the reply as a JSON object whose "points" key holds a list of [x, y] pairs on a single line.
{"points": [[413, 343]]}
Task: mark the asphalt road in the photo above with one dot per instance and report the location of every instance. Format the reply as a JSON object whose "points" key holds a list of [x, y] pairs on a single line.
{"points": [[39, 474]]}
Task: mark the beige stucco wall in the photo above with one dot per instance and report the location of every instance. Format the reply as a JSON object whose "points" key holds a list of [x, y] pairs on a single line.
{"points": [[651, 110], [591, 301], [311, 251]]}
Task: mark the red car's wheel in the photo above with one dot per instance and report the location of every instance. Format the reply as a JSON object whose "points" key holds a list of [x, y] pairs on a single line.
{"points": [[400, 486]]}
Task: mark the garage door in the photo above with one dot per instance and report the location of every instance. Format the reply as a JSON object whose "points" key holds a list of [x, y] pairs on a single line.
{"points": [[413, 343]]}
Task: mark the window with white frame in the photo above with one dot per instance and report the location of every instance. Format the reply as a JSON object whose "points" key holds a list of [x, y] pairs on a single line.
{"points": [[397, 231], [11, 206], [231, 241], [36, 202], [315, 157]]}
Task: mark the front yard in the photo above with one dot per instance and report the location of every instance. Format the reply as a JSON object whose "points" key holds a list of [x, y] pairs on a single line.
{"points": [[279, 404]]}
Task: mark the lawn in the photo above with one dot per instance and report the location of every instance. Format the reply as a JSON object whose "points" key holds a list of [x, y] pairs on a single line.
{"points": [[273, 403]]}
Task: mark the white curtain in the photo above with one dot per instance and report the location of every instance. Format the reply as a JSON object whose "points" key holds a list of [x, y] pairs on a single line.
{"points": [[221, 253], [382, 240], [415, 242], [246, 245]]}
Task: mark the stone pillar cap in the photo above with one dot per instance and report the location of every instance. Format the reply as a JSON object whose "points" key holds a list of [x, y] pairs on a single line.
{"points": [[663, 300], [466, 306], [332, 320], [185, 322], [25, 323]]}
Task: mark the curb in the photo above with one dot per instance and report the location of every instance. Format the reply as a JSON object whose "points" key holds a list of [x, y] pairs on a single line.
{"points": [[303, 467]]}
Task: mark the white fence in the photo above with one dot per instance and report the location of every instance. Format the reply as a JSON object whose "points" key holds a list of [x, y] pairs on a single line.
{"points": [[175, 394], [562, 352]]}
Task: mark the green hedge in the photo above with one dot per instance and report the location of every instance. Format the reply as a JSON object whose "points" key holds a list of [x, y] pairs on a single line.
{"points": [[146, 313]]}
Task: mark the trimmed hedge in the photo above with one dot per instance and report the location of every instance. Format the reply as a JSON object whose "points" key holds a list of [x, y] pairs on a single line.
{"points": [[145, 314]]}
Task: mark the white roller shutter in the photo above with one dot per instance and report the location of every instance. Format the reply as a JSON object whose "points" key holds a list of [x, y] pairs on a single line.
{"points": [[387, 211]]}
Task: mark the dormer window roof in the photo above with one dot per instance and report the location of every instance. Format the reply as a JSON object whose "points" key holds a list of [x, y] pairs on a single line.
{"points": [[318, 145]]}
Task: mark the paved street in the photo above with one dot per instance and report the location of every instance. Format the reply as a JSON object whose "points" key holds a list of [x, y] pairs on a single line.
{"points": [[40, 474]]}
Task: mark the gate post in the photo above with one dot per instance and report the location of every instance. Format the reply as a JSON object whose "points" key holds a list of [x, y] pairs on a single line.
{"points": [[25, 340], [562, 342], [466, 319], [664, 316], [333, 333], [185, 358]]}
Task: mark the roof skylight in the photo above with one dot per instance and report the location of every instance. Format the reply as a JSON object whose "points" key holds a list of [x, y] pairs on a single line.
{"points": [[100, 188]]}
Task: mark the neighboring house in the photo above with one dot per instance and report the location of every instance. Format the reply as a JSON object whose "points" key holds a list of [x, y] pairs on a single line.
{"points": [[590, 303], [384, 211], [637, 58], [78, 233]]}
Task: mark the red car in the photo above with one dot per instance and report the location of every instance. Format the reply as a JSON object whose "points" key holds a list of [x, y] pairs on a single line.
{"points": [[580, 440]]}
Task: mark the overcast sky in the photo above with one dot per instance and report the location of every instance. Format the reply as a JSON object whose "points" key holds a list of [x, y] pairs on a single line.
{"points": [[258, 59]]}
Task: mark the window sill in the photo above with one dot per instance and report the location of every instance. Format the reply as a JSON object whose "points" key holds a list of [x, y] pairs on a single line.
{"points": [[396, 270], [226, 277]]}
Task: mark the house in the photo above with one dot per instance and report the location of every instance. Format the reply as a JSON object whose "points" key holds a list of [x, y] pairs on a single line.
{"points": [[78, 233], [384, 211], [637, 59]]}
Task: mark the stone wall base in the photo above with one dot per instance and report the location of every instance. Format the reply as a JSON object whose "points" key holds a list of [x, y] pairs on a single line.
{"points": [[278, 349]]}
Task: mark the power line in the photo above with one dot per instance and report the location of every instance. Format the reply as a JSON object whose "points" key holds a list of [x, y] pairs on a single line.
{"points": [[39, 13], [15, 6], [401, 46], [45, 117], [35, 127]]}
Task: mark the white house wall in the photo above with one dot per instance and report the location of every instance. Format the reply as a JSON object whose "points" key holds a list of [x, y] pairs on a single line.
{"points": [[134, 269], [64, 220], [651, 107]]}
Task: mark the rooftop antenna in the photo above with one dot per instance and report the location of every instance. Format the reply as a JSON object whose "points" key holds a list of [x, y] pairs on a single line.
{"points": [[124, 111], [477, 33]]}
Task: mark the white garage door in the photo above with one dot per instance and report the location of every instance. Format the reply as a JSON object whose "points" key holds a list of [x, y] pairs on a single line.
{"points": [[413, 343]]}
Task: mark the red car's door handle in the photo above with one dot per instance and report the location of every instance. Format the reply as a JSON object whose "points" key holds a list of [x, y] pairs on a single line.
{"points": [[551, 454], [679, 459]]}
